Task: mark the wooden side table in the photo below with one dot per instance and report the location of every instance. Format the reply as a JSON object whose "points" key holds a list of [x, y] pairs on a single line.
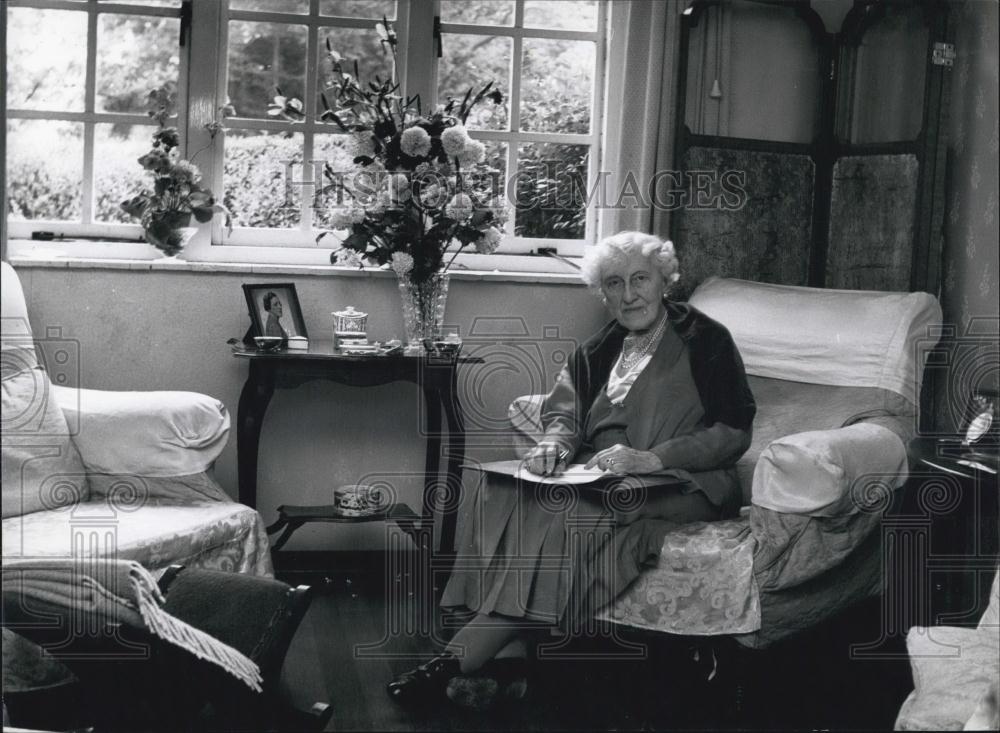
{"points": [[437, 378], [954, 491]]}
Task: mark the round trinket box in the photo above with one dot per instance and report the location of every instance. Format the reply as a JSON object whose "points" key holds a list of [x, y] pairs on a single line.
{"points": [[358, 500]]}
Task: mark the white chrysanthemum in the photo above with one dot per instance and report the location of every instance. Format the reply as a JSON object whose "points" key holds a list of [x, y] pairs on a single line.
{"points": [[379, 205], [454, 140], [343, 217], [402, 263], [348, 257], [475, 152], [459, 208], [339, 219], [415, 142], [399, 186], [433, 196], [399, 189], [488, 243], [361, 144]]}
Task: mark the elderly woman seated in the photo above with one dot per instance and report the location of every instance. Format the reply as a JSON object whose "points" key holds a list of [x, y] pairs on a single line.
{"points": [[662, 386]]}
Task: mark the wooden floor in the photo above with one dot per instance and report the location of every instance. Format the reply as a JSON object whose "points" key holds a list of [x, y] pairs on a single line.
{"points": [[349, 646]]}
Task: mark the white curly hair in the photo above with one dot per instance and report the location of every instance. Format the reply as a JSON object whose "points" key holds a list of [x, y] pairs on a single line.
{"points": [[619, 247]]}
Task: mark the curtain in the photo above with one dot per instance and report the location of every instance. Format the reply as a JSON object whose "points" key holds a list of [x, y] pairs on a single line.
{"points": [[3, 136], [639, 125]]}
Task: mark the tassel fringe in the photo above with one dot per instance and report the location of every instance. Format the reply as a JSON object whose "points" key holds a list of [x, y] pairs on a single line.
{"points": [[181, 634]]}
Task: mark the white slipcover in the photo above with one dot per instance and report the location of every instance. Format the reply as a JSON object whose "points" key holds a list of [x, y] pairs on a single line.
{"points": [[857, 338]]}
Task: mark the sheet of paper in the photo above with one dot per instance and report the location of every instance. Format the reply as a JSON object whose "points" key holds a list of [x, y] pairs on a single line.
{"points": [[574, 474]]}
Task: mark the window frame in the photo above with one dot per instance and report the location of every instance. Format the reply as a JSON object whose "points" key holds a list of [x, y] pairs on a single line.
{"points": [[515, 135], [201, 95], [90, 118]]}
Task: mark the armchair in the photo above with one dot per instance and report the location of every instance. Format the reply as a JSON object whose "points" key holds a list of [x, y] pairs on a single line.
{"points": [[91, 475], [113, 474], [836, 375]]}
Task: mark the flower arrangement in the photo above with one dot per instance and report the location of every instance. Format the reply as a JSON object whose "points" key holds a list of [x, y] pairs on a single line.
{"points": [[421, 184], [177, 193]]}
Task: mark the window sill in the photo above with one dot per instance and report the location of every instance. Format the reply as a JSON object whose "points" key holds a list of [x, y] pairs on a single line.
{"points": [[49, 260]]}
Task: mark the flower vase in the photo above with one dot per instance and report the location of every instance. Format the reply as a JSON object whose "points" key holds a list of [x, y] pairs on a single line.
{"points": [[423, 308]]}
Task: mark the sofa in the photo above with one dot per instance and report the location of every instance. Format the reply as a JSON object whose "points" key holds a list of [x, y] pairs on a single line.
{"points": [[956, 674], [91, 475], [836, 375]]}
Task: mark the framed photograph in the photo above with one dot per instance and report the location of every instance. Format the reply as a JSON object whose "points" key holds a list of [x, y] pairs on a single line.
{"points": [[981, 422], [275, 310]]}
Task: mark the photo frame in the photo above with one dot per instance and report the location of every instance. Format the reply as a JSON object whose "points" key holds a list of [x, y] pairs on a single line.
{"points": [[274, 310], [981, 420]]}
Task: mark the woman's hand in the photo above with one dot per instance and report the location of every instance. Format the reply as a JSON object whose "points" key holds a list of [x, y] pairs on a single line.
{"points": [[621, 459], [546, 459]]}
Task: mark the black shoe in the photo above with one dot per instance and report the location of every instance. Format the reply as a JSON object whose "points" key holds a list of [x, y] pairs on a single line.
{"points": [[426, 683], [498, 681]]}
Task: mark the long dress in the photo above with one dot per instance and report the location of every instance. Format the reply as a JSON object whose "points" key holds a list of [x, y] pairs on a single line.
{"points": [[556, 554]]}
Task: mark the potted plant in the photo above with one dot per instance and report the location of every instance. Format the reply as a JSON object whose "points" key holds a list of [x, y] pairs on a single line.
{"points": [[177, 194]]}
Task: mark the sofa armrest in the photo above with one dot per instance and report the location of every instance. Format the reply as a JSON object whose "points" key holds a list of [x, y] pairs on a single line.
{"points": [[153, 434], [826, 473]]}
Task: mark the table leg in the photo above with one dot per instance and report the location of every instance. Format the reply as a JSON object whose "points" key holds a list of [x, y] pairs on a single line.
{"points": [[432, 463], [456, 456], [254, 399]]}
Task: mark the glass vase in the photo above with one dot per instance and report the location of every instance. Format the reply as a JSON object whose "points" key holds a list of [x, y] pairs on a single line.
{"points": [[423, 308]]}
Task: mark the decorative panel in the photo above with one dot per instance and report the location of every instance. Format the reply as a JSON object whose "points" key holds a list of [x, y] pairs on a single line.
{"points": [[766, 237], [872, 221]]}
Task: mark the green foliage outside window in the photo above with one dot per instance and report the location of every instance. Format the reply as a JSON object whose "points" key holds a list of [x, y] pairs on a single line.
{"points": [[146, 55]]}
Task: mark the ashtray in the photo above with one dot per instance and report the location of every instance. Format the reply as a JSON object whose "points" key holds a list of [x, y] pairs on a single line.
{"points": [[360, 500], [268, 343], [442, 349]]}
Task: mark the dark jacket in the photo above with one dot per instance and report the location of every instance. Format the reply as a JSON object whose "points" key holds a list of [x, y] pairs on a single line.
{"points": [[716, 369]]}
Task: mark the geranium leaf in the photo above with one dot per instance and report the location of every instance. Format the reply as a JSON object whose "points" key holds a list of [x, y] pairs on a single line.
{"points": [[202, 214]]}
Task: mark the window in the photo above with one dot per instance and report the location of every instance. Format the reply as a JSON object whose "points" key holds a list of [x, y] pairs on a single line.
{"points": [[544, 139], [78, 74], [269, 164], [547, 57]]}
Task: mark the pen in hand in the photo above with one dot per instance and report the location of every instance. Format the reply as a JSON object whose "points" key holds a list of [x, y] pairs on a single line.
{"points": [[561, 458], [540, 461]]}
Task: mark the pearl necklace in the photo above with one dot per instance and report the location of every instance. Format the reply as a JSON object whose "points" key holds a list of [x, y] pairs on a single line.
{"points": [[636, 347]]}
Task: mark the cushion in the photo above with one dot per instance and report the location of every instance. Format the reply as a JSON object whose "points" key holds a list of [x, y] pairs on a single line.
{"points": [[952, 670], [991, 616], [146, 433], [857, 338], [16, 341], [785, 408], [42, 468], [828, 473]]}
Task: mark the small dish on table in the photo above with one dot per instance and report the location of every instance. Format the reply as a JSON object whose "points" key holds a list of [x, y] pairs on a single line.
{"points": [[268, 344]]}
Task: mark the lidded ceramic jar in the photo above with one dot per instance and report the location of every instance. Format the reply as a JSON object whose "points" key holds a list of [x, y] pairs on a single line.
{"points": [[350, 323]]}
